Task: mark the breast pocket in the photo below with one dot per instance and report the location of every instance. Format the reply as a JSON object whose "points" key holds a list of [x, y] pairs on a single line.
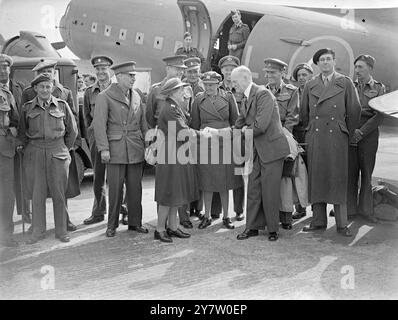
{"points": [[56, 119], [34, 122], [4, 117]]}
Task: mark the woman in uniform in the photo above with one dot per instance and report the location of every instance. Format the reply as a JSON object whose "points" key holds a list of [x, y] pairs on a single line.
{"points": [[216, 109]]}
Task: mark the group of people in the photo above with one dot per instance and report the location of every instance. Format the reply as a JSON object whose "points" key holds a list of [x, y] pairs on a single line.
{"points": [[310, 144]]}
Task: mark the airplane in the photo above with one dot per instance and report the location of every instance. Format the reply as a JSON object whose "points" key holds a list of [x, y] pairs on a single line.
{"points": [[147, 31]]}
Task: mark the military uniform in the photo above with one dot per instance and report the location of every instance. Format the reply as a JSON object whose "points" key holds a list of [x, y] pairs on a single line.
{"points": [[362, 158], [120, 128], [191, 52], [48, 130], [238, 35], [9, 118]]}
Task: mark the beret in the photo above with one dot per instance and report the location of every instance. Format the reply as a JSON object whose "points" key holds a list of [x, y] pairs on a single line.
{"points": [[321, 52], [300, 66], [211, 77], [192, 62], [6, 59], [368, 59], [101, 61], [125, 67], [275, 64], [172, 84], [44, 64], [228, 61], [175, 61], [40, 78]]}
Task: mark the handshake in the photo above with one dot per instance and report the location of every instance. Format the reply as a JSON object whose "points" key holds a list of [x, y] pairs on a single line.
{"points": [[209, 132]]}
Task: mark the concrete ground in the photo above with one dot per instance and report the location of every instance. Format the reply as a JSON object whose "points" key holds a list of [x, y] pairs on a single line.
{"points": [[212, 264]]}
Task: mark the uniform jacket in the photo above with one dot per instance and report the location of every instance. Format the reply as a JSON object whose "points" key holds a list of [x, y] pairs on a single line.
{"points": [[9, 118], [288, 102], [90, 97], [119, 125], [16, 89], [370, 118], [238, 36], [154, 104], [191, 52], [260, 113], [330, 115]]}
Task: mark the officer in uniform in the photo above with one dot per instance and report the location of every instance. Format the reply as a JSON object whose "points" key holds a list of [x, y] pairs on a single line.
{"points": [[9, 118], [188, 51], [48, 131], [63, 93], [330, 110], [192, 73], [174, 69], [302, 73], [362, 155], [102, 66], [226, 65], [238, 35], [119, 129]]}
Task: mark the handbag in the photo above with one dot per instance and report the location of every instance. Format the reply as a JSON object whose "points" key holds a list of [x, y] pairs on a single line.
{"points": [[150, 154]]}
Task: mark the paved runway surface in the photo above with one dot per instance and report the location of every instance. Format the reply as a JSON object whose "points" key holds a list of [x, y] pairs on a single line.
{"points": [[212, 264]]}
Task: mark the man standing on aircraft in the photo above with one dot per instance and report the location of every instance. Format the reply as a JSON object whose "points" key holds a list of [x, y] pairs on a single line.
{"points": [[9, 118], [330, 111], [227, 64], [260, 113], [188, 51], [302, 73], [119, 129], [174, 69], [63, 93], [362, 155], [238, 35], [102, 66]]}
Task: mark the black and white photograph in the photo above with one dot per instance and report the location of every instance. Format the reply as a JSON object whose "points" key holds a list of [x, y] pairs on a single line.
{"points": [[198, 155]]}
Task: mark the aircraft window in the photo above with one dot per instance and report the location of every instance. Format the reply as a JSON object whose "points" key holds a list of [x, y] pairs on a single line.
{"points": [[122, 34], [158, 43], [94, 27], [107, 31], [139, 38]]}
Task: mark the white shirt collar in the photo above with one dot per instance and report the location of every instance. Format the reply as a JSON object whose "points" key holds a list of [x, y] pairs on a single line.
{"points": [[247, 91], [329, 77]]}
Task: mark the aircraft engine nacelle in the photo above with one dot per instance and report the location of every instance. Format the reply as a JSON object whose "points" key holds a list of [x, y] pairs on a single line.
{"points": [[29, 44]]}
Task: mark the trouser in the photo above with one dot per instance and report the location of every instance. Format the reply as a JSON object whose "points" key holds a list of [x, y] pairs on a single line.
{"points": [[182, 213], [238, 198], [7, 197], [361, 162], [47, 172], [285, 217], [18, 187], [99, 187], [319, 216], [263, 194], [131, 175]]}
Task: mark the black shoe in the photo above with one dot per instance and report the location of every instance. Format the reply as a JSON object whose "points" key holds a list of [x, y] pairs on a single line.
{"points": [[93, 219], [240, 216], [313, 228], [200, 215], [70, 226], [9, 243], [298, 215], [139, 229], [228, 223], [273, 236], [33, 240], [162, 236], [64, 238], [331, 213], [110, 233], [247, 234], [124, 220], [287, 226], [205, 223], [187, 224], [177, 233], [346, 232]]}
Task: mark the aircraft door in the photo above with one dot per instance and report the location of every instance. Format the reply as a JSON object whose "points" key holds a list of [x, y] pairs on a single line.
{"points": [[197, 21]]}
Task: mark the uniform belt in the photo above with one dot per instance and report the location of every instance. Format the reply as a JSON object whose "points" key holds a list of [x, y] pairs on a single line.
{"points": [[47, 143]]}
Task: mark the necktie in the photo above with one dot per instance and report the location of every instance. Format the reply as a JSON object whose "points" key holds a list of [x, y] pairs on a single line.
{"points": [[326, 81]]}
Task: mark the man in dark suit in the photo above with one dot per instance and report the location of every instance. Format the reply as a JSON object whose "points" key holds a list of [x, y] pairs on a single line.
{"points": [[260, 114]]}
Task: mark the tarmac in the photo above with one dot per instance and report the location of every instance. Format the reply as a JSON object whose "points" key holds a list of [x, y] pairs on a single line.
{"points": [[212, 264]]}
